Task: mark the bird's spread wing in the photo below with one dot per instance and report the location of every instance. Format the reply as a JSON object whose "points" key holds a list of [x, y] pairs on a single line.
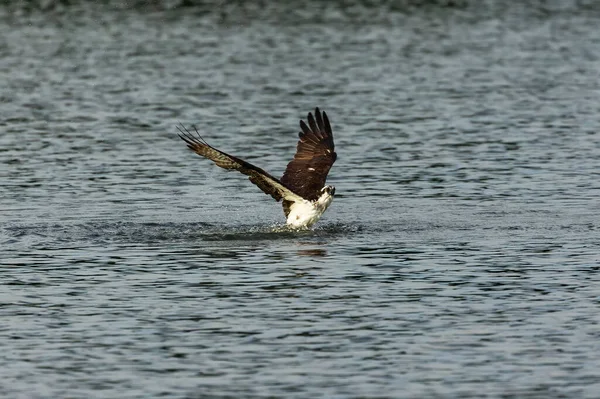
{"points": [[307, 172], [267, 183]]}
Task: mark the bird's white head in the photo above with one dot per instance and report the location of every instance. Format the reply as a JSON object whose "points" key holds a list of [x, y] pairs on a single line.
{"points": [[326, 197], [328, 190]]}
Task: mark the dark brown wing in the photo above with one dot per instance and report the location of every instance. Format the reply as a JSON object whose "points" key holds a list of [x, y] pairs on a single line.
{"points": [[307, 172], [267, 183]]}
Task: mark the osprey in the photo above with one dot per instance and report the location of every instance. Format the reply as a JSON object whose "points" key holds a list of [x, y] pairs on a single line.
{"points": [[302, 187]]}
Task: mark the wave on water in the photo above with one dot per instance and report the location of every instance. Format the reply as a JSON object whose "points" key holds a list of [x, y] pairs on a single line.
{"points": [[56, 235]]}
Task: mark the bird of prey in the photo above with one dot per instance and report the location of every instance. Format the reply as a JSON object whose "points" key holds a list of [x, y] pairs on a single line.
{"points": [[302, 187]]}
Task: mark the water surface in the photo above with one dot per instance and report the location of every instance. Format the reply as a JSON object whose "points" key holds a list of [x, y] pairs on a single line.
{"points": [[459, 258]]}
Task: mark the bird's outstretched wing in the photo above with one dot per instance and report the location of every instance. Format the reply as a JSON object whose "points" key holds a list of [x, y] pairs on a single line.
{"points": [[307, 172], [267, 183]]}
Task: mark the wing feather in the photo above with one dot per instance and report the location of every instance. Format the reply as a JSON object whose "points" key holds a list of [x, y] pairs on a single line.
{"points": [[267, 183], [306, 174]]}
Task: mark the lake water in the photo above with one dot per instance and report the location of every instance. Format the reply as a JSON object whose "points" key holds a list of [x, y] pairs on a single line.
{"points": [[460, 256]]}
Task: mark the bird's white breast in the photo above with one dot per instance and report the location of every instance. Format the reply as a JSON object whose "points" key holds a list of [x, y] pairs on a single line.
{"points": [[306, 213]]}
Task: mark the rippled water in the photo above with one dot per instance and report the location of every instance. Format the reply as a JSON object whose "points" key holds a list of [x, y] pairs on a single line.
{"points": [[459, 258]]}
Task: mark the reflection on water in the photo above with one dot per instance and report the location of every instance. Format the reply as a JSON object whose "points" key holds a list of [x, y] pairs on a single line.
{"points": [[312, 252], [460, 251]]}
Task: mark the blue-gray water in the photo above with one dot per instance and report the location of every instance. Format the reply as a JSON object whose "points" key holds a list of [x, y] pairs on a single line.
{"points": [[459, 259]]}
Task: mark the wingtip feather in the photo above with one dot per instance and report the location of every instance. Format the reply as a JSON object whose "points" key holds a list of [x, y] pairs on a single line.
{"points": [[327, 124]]}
